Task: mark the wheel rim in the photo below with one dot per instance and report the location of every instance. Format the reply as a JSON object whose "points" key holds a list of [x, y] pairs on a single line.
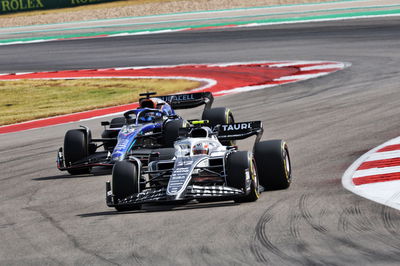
{"points": [[255, 177], [287, 165]]}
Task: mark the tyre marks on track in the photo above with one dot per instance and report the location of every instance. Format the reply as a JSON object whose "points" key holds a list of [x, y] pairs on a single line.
{"points": [[356, 223], [55, 224], [307, 216], [263, 245], [389, 222], [350, 234]]}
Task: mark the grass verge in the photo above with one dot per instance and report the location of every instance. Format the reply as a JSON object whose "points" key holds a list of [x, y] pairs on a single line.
{"points": [[25, 100]]}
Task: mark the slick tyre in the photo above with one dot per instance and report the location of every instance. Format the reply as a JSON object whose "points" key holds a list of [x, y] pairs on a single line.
{"points": [[242, 174], [273, 164], [107, 134], [76, 148], [171, 131], [117, 122], [218, 116], [162, 154], [125, 182]]}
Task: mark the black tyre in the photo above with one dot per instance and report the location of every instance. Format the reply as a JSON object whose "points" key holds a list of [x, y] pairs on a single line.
{"points": [[218, 116], [76, 148], [109, 145], [273, 164], [241, 166], [125, 182], [117, 122], [171, 131], [162, 154]]}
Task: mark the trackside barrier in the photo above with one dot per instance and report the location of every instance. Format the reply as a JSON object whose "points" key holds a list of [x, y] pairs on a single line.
{"points": [[12, 6]]}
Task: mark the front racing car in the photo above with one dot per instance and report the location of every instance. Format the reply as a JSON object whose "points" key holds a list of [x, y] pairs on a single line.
{"points": [[202, 169]]}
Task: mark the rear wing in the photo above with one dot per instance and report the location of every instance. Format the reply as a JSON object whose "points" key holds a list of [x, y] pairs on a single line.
{"points": [[190, 100], [238, 131]]}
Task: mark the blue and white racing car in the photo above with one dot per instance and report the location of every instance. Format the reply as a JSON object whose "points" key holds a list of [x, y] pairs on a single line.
{"points": [[153, 125], [202, 168]]}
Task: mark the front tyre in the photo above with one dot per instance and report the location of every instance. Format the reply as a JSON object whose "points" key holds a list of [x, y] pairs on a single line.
{"points": [[76, 148], [125, 182], [273, 164], [242, 174]]}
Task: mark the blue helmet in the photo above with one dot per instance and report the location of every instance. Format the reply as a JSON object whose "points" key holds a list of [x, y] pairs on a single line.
{"points": [[149, 116]]}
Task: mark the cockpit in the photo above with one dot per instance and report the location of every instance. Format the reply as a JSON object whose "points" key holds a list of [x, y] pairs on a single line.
{"points": [[140, 116]]}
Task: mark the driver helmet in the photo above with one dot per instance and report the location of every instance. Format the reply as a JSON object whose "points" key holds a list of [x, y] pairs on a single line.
{"points": [[200, 148], [147, 117]]}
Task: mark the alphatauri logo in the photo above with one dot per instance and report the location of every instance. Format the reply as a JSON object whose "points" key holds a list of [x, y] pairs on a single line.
{"points": [[238, 126]]}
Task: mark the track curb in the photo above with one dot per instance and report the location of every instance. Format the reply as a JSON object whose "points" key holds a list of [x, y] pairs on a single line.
{"points": [[376, 174], [221, 79]]}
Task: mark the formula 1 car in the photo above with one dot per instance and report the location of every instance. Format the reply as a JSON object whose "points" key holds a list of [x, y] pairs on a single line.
{"points": [[203, 169], [154, 124]]}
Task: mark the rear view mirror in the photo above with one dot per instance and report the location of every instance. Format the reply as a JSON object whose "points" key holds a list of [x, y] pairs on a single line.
{"points": [[105, 123]]}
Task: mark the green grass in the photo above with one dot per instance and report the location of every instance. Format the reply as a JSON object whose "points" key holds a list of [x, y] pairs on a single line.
{"points": [[26, 100]]}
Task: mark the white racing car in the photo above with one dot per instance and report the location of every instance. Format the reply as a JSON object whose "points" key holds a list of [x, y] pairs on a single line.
{"points": [[200, 168]]}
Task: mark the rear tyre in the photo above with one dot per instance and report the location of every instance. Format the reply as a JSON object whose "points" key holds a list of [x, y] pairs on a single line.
{"points": [[76, 148], [218, 116], [109, 145], [162, 154], [273, 164], [117, 122], [242, 174], [125, 182], [171, 131]]}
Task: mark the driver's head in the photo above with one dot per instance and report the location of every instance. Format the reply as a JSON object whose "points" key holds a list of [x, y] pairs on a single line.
{"points": [[148, 103], [147, 117], [200, 148]]}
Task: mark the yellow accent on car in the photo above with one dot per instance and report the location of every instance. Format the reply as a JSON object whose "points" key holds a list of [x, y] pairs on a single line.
{"points": [[200, 122]]}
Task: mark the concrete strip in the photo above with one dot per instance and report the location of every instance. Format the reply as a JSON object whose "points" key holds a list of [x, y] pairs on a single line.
{"points": [[200, 20]]}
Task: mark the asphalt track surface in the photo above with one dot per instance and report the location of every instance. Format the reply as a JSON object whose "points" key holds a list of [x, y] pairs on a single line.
{"points": [[50, 218]]}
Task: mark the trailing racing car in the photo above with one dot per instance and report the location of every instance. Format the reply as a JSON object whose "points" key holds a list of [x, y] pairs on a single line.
{"points": [[203, 169], [154, 124]]}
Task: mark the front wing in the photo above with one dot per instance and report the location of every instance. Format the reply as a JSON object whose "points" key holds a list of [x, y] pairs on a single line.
{"points": [[160, 195], [98, 159]]}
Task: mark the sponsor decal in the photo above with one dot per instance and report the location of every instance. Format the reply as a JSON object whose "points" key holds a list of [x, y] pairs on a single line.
{"points": [[20, 5], [238, 126], [178, 178], [179, 175], [213, 191], [238, 130], [185, 162], [82, 2], [181, 97], [7, 6]]}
